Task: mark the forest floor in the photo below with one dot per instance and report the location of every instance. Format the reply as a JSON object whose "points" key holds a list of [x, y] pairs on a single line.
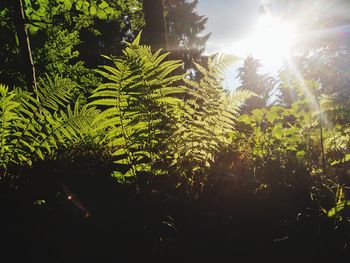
{"points": [[109, 222]]}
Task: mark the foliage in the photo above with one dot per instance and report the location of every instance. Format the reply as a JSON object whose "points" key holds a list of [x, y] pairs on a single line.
{"points": [[251, 80], [288, 160], [60, 33], [184, 27], [9, 50], [206, 120], [282, 147], [36, 126], [138, 101], [325, 57], [150, 124], [284, 134], [151, 129]]}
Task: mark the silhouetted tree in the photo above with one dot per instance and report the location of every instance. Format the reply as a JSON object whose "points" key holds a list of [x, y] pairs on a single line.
{"points": [[251, 80], [184, 26], [155, 31], [323, 51]]}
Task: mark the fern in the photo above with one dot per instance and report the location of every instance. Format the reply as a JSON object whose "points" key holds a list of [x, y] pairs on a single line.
{"points": [[138, 113], [35, 126], [10, 124], [138, 99], [205, 121]]}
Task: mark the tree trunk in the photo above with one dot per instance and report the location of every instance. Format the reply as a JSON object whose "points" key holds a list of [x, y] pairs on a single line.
{"points": [[24, 44], [155, 31]]}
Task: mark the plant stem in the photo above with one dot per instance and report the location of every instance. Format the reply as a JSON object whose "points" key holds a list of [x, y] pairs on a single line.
{"points": [[24, 44]]}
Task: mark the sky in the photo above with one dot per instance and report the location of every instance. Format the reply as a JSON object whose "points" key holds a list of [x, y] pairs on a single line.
{"points": [[234, 29], [229, 22]]}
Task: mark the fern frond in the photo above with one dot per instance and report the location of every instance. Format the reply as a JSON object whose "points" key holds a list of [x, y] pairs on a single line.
{"points": [[54, 93], [206, 119], [138, 101], [10, 122]]}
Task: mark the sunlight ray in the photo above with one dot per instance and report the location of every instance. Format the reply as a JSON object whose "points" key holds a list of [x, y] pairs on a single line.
{"points": [[314, 101], [339, 31], [301, 81]]}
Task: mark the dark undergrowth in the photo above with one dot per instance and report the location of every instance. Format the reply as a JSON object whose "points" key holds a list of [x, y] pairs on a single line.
{"points": [[74, 216]]}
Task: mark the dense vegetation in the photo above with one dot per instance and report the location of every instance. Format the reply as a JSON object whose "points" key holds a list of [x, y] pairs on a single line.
{"points": [[136, 155]]}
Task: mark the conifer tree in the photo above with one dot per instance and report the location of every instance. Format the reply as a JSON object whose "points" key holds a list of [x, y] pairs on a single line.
{"points": [[252, 81], [184, 27]]}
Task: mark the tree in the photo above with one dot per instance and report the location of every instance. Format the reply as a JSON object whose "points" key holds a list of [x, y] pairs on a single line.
{"points": [[184, 27], [15, 54], [59, 30], [155, 32], [323, 53], [175, 26], [252, 81], [287, 93], [108, 37]]}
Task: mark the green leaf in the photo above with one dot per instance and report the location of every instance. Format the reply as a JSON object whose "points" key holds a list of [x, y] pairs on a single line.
{"points": [[300, 153], [122, 161], [119, 176], [338, 209], [120, 151], [93, 10], [79, 5], [39, 202], [67, 4], [347, 158], [103, 5], [101, 14]]}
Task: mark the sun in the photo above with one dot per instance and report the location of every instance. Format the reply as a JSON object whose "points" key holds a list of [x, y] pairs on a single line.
{"points": [[271, 41]]}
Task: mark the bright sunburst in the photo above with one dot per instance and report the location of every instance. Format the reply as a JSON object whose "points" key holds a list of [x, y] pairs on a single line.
{"points": [[273, 39], [270, 41]]}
